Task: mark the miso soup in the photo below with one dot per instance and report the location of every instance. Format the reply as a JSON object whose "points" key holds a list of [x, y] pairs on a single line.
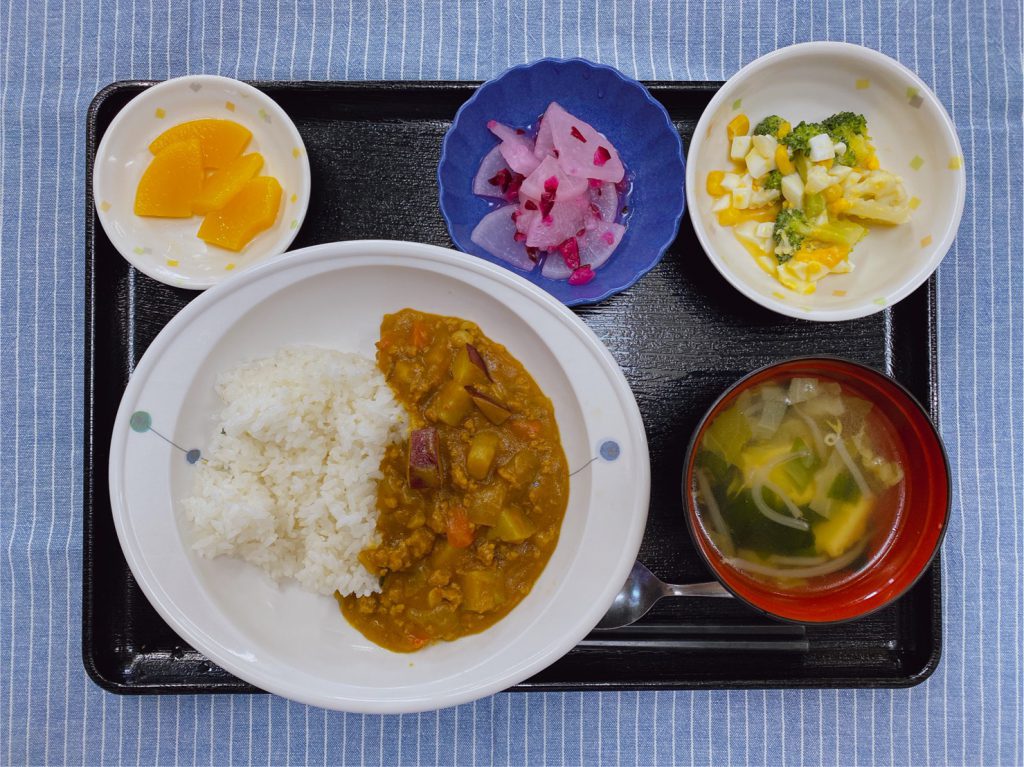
{"points": [[799, 483]]}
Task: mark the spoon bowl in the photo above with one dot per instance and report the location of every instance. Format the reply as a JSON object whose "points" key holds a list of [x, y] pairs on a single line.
{"points": [[643, 589]]}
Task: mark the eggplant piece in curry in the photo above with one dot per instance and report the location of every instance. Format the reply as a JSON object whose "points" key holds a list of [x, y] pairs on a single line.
{"points": [[470, 508]]}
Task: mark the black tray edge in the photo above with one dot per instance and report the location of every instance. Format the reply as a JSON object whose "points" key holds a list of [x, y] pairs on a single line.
{"points": [[88, 383], [89, 659]]}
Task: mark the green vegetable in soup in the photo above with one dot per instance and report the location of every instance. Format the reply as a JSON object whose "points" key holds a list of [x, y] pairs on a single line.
{"points": [[800, 471], [750, 529], [795, 472], [728, 433], [844, 488]]}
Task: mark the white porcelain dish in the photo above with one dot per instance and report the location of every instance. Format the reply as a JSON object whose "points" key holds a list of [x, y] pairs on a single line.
{"points": [[913, 134], [297, 644], [167, 249]]}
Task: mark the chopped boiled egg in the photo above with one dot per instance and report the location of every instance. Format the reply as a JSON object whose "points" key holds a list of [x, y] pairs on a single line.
{"points": [[765, 145], [730, 181], [741, 197], [820, 147], [740, 148], [757, 164], [747, 233], [793, 189], [765, 229], [839, 148], [721, 203]]}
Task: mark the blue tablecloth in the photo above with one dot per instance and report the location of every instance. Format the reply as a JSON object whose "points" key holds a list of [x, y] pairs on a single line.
{"points": [[54, 55]]}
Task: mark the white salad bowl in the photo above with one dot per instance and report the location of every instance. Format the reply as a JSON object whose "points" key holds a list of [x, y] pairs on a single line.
{"points": [[295, 643], [167, 249], [914, 138]]}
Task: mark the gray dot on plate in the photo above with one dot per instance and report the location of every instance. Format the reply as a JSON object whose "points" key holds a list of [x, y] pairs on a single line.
{"points": [[195, 87], [140, 421], [610, 450], [916, 102]]}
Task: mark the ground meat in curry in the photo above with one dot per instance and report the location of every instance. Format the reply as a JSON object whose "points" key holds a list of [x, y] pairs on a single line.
{"points": [[470, 506]]}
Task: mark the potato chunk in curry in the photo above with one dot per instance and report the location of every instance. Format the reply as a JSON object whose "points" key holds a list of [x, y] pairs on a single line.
{"points": [[470, 507]]}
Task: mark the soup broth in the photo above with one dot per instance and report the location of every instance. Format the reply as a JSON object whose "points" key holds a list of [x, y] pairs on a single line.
{"points": [[799, 483]]}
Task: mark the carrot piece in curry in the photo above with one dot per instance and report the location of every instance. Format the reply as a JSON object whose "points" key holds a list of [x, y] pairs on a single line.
{"points": [[470, 509]]}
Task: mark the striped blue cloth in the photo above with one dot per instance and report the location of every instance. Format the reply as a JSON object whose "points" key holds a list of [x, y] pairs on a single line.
{"points": [[54, 55]]}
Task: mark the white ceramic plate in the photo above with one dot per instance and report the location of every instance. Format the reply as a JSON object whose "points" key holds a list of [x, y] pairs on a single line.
{"points": [[298, 644], [167, 249], [913, 135]]}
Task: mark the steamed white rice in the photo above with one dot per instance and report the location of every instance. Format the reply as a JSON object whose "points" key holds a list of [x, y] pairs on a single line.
{"points": [[290, 478]]}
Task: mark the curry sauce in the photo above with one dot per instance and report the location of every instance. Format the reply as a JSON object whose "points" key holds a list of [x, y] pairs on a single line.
{"points": [[471, 505]]}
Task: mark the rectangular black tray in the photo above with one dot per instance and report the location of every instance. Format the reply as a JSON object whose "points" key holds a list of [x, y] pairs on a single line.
{"points": [[681, 335]]}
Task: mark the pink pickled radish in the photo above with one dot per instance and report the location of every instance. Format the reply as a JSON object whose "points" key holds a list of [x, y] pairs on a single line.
{"points": [[568, 186], [565, 219], [496, 234], [493, 162], [516, 148], [606, 199], [599, 243], [543, 146], [577, 157]]}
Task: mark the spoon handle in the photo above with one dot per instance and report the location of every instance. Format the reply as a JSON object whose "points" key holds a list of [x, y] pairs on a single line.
{"points": [[711, 589]]}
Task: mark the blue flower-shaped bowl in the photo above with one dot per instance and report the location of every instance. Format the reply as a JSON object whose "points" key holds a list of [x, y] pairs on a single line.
{"points": [[617, 106]]}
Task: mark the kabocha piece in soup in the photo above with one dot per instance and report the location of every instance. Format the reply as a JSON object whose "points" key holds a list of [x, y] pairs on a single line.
{"points": [[799, 483], [470, 509]]}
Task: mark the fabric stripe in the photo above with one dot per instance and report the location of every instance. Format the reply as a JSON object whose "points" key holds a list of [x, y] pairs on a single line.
{"points": [[56, 55]]}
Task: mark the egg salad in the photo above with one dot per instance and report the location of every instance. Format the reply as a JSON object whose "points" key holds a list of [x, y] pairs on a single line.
{"points": [[798, 199]]}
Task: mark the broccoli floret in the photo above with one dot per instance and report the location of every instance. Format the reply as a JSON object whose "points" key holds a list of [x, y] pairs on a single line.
{"points": [[797, 138], [852, 130], [773, 180], [842, 125], [791, 228], [769, 126]]}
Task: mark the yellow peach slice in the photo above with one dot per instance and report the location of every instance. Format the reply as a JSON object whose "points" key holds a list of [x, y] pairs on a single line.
{"points": [[223, 184], [173, 179], [222, 140], [251, 211]]}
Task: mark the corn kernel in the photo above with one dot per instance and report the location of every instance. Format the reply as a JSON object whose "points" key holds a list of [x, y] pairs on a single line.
{"points": [[833, 193], [826, 164], [738, 126], [872, 163], [714, 183], [784, 129], [838, 206], [785, 165]]}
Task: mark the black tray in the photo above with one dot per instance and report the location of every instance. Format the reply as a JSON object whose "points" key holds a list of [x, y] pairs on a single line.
{"points": [[681, 335]]}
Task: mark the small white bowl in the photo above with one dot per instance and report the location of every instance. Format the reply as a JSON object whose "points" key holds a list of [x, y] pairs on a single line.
{"points": [[914, 137], [167, 249]]}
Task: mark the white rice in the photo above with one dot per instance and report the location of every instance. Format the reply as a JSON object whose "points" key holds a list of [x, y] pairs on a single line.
{"points": [[290, 478]]}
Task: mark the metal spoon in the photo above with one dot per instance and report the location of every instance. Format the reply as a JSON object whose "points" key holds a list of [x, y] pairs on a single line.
{"points": [[643, 588]]}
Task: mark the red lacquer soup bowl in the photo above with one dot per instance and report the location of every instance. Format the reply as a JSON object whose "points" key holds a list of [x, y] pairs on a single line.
{"points": [[909, 518]]}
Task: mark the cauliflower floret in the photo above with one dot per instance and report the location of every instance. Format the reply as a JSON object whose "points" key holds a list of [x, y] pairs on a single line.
{"points": [[877, 196]]}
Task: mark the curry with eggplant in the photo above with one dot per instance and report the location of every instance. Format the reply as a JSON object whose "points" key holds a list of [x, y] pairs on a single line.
{"points": [[471, 505]]}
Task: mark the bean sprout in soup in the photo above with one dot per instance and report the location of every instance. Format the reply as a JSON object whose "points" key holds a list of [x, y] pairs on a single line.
{"points": [[799, 483]]}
